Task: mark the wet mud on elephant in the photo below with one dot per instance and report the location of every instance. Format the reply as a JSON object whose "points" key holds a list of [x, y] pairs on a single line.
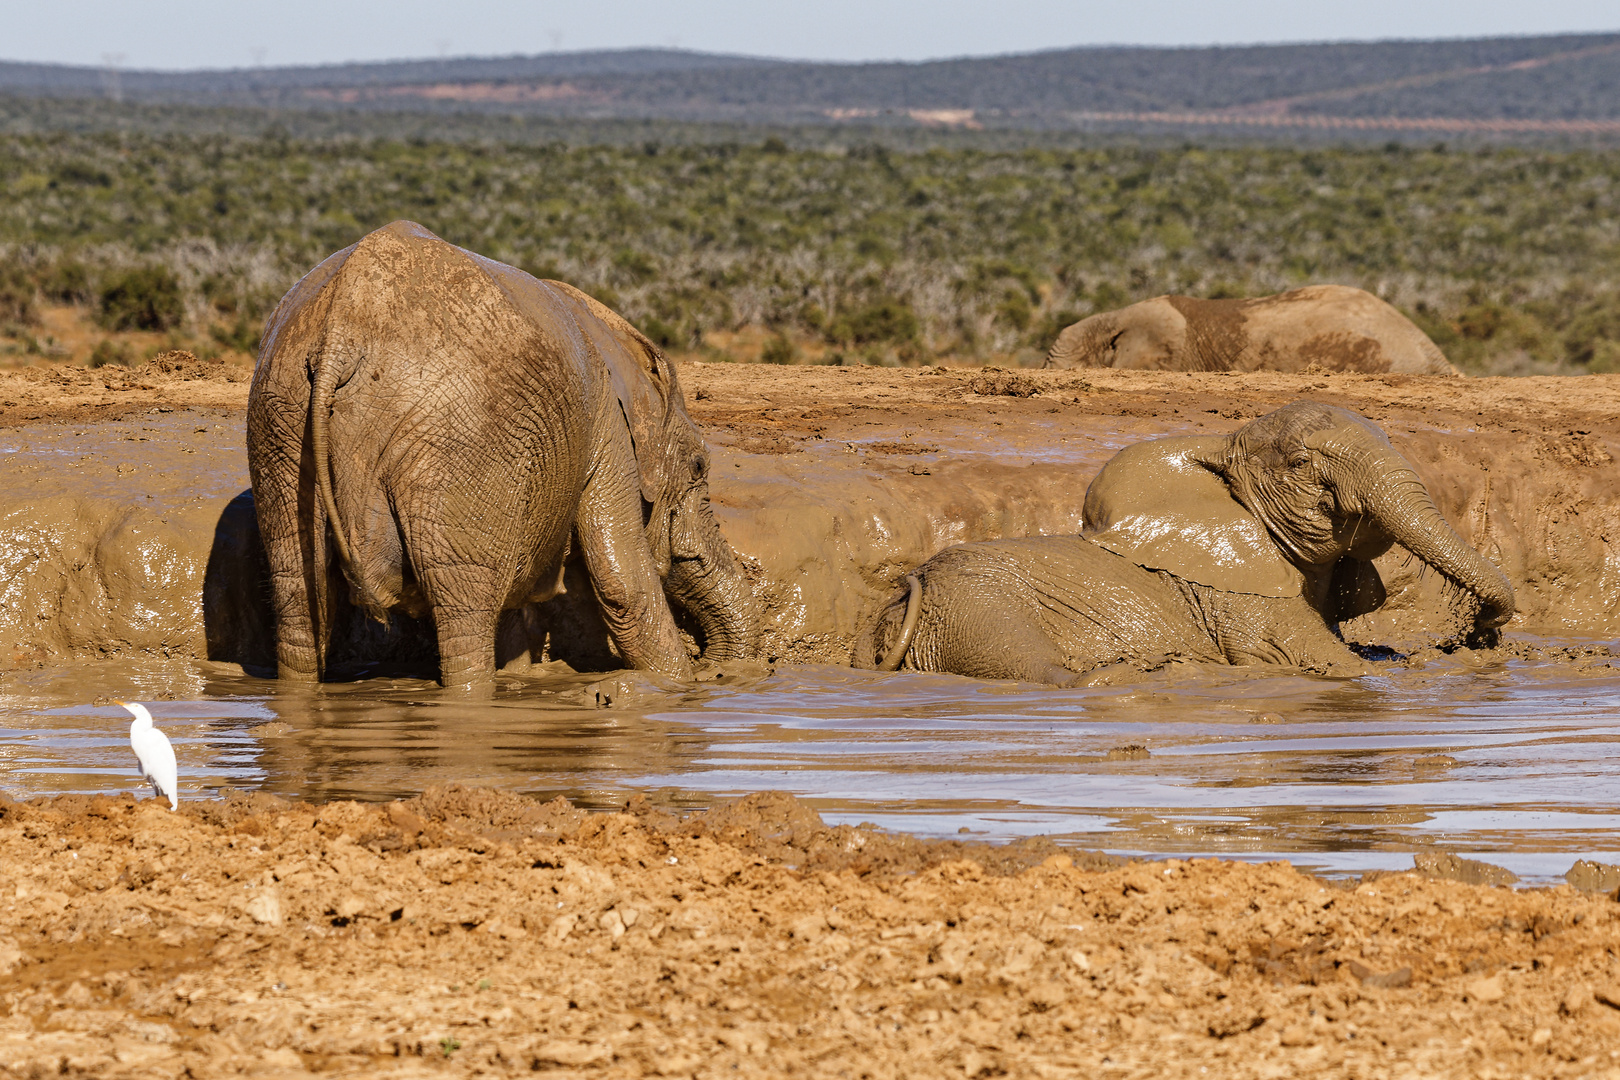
{"points": [[436, 432], [1243, 549]]}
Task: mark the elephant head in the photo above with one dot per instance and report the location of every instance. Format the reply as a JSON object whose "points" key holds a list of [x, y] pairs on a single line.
{"points": [[1299, 500], [1149, 335], [701, 573]]}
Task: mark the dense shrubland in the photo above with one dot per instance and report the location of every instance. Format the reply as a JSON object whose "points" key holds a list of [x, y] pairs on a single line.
{"points": [[1509, 258]]}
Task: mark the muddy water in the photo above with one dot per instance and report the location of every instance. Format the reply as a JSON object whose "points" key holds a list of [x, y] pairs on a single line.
{"points": [[119, 537], [1516, 762]]}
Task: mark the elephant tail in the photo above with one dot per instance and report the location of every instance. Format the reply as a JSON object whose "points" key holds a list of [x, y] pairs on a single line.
{"points": [[327, 371], [908, 629]]}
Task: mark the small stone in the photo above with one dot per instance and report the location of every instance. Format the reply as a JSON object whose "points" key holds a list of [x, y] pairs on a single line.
{"points": [[265, 909], [1389, 980], [567, 1052], [1297, 1035], [562, 926], [612, 922], [349, 907], [1540, 1037], [1057, 862], [1080, 960], [509, 931], [1486, 990]]}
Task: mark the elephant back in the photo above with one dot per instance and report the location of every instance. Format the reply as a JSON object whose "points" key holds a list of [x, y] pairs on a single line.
{"points": [[1158, 504]]}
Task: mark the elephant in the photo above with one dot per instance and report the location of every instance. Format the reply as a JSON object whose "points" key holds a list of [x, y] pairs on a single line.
{"points": [[1320, 328], [1242, 549], [443, 429]]}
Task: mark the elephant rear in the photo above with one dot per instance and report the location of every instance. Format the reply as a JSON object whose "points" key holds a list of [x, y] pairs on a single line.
{"points": [[386, 454], [1040, 609]]}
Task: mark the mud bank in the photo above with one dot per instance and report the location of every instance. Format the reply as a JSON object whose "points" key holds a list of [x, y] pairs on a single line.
{"points": [[477, 933], [123, 527]]}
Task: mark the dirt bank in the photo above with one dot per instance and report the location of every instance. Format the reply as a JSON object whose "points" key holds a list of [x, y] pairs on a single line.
{"points": [[472, 932], [118, 529]]}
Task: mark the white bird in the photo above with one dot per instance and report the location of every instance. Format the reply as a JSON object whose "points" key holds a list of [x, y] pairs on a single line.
{"points": [[153, 751]]}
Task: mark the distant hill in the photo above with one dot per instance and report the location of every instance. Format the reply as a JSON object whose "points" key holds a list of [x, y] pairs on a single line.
{"points": [[1564, 83]]}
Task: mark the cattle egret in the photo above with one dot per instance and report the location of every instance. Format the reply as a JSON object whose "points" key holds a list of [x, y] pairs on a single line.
{"points": [[153, 751]]}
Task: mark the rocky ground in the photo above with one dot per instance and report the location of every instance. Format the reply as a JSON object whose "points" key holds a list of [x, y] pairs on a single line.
{"points": [[471, 932]]}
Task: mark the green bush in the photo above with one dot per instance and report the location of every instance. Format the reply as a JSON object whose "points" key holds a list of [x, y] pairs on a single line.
{"points": [[146, 298], [779, 349], [16, 296], [67, 282], [242, 335], [1594, 333], [109, 351], [971, 252], [884, 319]]}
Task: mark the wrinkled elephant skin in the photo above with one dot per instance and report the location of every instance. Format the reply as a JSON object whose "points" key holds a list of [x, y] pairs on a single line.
{"points": [[1248, 548], [437, 431], [1323, 328]]}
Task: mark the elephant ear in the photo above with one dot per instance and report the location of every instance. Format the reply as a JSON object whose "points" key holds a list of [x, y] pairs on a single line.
{"points": [[1161, 505], [1354, 589], [643, 380]]}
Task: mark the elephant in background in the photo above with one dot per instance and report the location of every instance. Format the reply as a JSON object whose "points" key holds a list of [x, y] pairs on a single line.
{"points": [[1320, 328], [442, 429], [1243, 549]]}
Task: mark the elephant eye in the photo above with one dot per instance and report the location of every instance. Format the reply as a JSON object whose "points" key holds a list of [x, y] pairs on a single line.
{"points": [[1299, 459], [699, 468]]}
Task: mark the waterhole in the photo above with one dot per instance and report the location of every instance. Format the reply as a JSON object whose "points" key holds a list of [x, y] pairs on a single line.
{"points": [[1510, 760]]}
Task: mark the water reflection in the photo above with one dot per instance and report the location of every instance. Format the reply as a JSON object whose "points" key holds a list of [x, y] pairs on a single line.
{"points": [[1515, 763]]}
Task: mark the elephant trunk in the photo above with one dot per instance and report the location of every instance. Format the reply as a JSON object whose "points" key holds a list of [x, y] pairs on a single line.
{"points": [[717, 595], [1402, 506]]}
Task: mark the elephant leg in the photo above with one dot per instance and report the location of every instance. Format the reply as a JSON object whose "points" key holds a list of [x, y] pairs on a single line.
{"points": [[995, 635], [296, 656], [1026, 655], [627, 584], [286, 538], [1282, 630], [512, 642], [466, 610]]}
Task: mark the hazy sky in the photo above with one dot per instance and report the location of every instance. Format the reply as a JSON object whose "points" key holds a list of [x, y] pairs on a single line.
{"points": [[230, 33]]}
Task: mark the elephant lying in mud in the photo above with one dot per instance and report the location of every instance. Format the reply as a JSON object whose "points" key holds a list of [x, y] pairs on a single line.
{"points": [[448, 427], [1320, 327], [1243, 549]]}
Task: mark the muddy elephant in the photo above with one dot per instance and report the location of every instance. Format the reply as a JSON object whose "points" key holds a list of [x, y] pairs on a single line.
{"points": [[1318, 328], [441, 429], [1242, 549]]}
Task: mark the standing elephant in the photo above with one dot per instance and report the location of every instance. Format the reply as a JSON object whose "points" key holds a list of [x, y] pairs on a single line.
{"points": [[1246, 549], [448, 427], [1333, 327]]}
